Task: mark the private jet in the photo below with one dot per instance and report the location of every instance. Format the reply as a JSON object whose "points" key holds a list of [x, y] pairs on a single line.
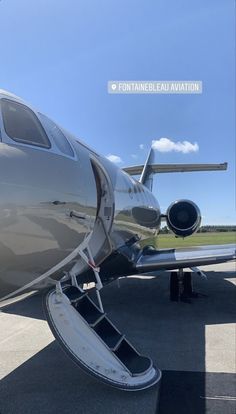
{"points": [[72, 221]]}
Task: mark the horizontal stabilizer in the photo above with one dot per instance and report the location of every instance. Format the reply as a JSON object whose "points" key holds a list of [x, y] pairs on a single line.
{"points": [[168, 168]]}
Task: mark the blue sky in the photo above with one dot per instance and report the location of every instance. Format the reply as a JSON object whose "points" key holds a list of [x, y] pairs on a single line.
{"points": [[59, 55]]}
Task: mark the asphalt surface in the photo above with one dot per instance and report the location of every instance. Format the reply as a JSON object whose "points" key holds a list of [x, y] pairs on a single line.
{"points": [[193, 344]]}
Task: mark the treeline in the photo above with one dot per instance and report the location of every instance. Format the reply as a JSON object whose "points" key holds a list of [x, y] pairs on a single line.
{"points": [[219, 228], [205, 229]]}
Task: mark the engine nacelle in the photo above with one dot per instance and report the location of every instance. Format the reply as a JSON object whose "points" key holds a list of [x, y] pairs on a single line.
{"points": [[183, 218]]}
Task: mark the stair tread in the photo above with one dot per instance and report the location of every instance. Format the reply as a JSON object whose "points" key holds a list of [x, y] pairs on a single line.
{"points": [[88, 310], [108, 333], [136, 363], [73, 293]]}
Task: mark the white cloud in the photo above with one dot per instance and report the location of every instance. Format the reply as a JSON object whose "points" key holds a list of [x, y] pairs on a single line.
{"points": [[134, 156], [141, 146], [166, 145], [114, 158]]}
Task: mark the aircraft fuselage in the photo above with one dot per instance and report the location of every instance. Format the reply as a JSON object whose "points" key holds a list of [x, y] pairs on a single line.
{"points": [[50, 201]]}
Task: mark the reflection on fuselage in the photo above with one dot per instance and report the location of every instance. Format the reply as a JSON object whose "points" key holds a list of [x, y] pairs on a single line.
{"points": [[39, 188]]}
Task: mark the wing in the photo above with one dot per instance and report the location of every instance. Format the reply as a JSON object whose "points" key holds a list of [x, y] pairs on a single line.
{"points": [[168, 259]]}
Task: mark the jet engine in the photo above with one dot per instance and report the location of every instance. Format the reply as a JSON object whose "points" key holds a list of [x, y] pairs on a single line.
{"points": [[183, 218]]}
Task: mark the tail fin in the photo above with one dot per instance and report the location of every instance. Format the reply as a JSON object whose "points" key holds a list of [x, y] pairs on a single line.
{"points": [[146, 177]]}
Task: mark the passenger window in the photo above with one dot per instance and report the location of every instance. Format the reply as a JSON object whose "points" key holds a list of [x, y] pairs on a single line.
{"points": [[22, 125], [56, 134]]}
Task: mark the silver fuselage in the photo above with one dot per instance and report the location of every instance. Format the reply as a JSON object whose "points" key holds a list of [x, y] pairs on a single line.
{"points": [[39, 188]]}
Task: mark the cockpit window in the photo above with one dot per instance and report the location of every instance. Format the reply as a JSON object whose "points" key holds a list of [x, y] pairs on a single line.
{"points": [[22, 125], [57, 135]]}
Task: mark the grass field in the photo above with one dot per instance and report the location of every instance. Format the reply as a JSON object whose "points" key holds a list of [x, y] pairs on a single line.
{"points": [[198, 239]]}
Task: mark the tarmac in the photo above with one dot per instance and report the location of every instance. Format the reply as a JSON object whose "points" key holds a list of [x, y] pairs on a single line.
{"points": [[193, 344]]}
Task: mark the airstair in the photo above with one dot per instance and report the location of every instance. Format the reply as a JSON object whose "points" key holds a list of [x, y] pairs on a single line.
{"points": [[90, 338]]}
